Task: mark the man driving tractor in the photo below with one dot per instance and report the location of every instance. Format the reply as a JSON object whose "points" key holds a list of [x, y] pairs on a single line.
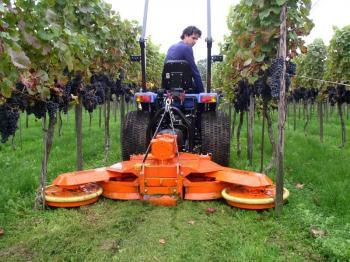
{"points": [[183, 51]]}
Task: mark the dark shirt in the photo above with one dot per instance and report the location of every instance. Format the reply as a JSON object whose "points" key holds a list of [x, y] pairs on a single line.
{"points": [[182, 51]]}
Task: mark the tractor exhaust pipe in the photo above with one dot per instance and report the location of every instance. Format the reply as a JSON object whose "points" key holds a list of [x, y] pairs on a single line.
{"points": [[142, 42]]}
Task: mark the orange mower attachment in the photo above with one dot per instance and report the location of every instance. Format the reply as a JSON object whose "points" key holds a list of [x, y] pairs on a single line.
{"points": [[163, 177]]}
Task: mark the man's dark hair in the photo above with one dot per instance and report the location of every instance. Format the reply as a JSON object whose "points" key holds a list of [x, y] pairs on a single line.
{"points": [[190, 30]]}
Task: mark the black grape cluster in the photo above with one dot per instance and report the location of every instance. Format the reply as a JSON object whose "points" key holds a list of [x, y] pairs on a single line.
{"points": [[291, 68], [311, 94], [38, 109], [19, 97], [117, 88], [60, 98], [66, 97], [275, 75], [75, 84], [338, 94], [241, 96], [8, 121], [262, 89], [298, 94], [52, 108], [89, 98], [95, 93], [275, 72], [127, 91], [305, 94]]}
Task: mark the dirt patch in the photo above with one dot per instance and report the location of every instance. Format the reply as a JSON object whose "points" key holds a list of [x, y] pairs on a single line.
{"points": [[19, 252], [111, 244], [296, 246]]}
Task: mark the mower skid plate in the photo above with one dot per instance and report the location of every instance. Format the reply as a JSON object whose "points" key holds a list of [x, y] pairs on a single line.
{"points": [[82, 177], [241, 177]]}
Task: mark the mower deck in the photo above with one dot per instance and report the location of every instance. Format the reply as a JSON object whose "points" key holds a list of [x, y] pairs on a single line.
{"points": [[163, 178]]}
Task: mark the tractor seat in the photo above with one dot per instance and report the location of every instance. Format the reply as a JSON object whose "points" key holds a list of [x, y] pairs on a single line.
{"points": [[177, 74]]}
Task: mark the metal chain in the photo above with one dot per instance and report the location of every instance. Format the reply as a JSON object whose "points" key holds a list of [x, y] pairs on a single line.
{"points": [[171, 115], [167, 110]]}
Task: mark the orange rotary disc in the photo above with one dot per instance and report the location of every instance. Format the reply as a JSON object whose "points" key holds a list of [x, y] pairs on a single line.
{"points": [[72, 197], [120, 190], [252, 198], [203, 188]]}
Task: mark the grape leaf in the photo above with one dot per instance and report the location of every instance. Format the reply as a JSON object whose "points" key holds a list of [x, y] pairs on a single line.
{"points": [[5, 87], [281, 2], [18, 58]]}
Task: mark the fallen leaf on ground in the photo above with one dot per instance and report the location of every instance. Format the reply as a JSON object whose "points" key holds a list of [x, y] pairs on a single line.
{"points": [[1, 232], [191, 222], [210, 210], [315, 232], [162, 241], [299, 186]]}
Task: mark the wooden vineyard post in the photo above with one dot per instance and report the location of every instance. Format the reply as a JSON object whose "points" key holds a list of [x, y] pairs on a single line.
{"points": [[306, 116], [27, 120], [281, 114], [79, 135], [48, 133], [230, 114], [250, 124], [271, 137], [262, 143], [115, 108], [233, 122], [320, 112], [59, 123], [241, 116], [294, 115], [107, 117], [99, 116], [122, 109], [342, 122]]}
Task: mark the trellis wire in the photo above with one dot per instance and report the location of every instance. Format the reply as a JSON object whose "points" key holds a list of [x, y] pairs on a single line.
{"points": [[320, 80]]}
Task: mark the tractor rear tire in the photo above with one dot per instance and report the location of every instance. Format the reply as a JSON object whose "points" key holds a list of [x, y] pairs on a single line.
{"points": [[215, 134], [134, 133]]}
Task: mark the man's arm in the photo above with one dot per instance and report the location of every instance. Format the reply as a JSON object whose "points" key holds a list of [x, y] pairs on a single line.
{"points": [[196, 75]]}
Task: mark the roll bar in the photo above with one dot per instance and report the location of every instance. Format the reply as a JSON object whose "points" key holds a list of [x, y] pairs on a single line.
{"points": [[142, 42]]}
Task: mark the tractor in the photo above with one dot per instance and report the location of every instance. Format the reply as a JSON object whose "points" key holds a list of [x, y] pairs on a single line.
{"points": [[175, 146], [194, 118], [174, 109]]}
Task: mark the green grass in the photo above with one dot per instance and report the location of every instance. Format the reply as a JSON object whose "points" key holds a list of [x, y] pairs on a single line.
{"points": [[131, 230]]}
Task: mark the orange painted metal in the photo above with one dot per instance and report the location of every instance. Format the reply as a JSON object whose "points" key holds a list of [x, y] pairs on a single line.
{"points": [[241, 177], [161, 200], [202, 188], [165, 182], [159, 190], [121, 190], [165, 177], [72, 197], [250, 193], [72, 204], [82, 177], [251, 206], [164, 146]]}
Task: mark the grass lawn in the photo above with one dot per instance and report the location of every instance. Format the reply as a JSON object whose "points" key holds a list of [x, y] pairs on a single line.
{"points": [[314, 226]]}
